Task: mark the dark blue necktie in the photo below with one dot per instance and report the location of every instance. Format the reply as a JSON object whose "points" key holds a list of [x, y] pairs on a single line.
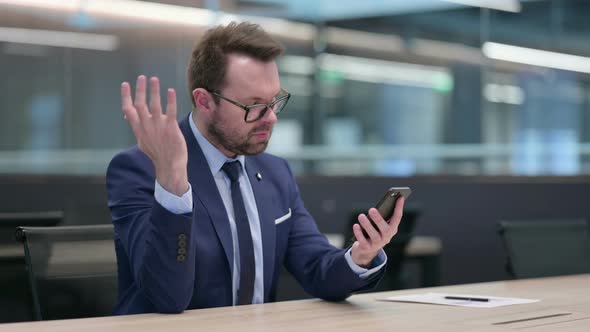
{"points": [[246, 248]]}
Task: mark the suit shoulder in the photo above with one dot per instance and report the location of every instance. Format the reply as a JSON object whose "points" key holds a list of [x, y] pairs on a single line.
{"points": [[132, 154], [276, 166], [130, 159], [268, 158]]}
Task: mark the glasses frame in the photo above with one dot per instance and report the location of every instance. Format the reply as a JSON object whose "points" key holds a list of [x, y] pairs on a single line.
{"points": [[248, 108]]}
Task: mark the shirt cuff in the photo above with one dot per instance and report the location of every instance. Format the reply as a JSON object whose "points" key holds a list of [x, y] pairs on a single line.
{"points": [[173, 203], [377, 264]]}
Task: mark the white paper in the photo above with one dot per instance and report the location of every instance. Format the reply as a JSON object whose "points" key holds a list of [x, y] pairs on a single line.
{"points": [[439, 298]]}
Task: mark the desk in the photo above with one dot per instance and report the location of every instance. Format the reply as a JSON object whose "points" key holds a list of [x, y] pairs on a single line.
{"points": [[362, 313]]}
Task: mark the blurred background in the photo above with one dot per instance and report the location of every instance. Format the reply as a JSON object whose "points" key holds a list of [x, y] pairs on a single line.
{"points": [[379, 87], [482, 107]]}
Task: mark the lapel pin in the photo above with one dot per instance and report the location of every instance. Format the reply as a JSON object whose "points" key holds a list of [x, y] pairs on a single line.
{"points": [[258, 176]]}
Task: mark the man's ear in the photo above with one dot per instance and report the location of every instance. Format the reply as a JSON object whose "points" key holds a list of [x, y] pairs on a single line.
{"points": [[203, 100]]}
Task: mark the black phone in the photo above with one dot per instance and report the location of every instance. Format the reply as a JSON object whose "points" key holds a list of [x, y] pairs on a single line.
{"points": [[386, 204]]}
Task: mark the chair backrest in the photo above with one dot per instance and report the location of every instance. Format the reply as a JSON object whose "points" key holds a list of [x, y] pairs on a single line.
{"points": [[395, 250], [546, 247], [10, 220], [72, 270], [13, 275]]}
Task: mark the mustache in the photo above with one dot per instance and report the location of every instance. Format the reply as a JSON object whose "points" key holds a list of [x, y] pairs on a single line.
{"points": [[261, 128]]}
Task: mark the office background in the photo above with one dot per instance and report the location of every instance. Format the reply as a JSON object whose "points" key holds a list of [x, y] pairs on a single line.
{"points": [[484, 112]]}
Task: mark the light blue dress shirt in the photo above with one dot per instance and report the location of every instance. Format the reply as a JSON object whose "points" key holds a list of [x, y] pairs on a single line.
{"points": [[184, 204]]}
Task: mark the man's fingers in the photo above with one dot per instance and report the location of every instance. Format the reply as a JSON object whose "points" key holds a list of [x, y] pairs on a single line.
{"points": [[395, 219], [368, 227], [377, 218], [140, 93], [171, 106], [126, 100], [398, 212], [358, 233], [127, 105], [136, 111], [155, 105]]}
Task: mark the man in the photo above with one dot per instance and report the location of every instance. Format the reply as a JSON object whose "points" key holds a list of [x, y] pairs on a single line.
{"points": [[203, 218]]}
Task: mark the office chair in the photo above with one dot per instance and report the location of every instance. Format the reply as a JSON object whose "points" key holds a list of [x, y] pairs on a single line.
{"points": [[546, 248], [15, 292], [10, 220], [395, 250], [72, 270]]}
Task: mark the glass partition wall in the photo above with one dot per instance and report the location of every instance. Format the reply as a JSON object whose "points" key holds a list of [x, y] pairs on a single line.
{"points": [[465, 90]]}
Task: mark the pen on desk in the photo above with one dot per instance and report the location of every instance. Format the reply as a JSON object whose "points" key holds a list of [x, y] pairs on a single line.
{"points": [[478, 299]]}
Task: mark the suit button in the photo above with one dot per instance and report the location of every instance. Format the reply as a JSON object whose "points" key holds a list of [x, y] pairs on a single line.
{"points": [[180, 258], [181, 237], [182, 251], [181, 243]]}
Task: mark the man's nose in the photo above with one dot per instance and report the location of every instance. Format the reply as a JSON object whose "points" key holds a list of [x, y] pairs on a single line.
{"points": [[270, 117]]}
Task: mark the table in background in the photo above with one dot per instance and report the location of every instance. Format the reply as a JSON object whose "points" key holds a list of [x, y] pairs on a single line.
{"points": [[424, 250]]}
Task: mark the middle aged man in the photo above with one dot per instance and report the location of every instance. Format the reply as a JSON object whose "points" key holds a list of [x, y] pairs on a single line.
{"points": [[204, 218]]}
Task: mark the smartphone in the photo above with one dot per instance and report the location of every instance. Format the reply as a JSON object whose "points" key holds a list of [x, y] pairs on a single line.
{"points": [[386, 205]]}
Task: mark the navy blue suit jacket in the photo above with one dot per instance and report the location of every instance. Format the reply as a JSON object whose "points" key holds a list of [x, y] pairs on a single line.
{"points": [[152, 278]]}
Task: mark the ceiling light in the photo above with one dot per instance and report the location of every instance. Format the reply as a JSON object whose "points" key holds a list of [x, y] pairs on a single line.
{"points": [[90, 41], [504, 5], [535, 57]]}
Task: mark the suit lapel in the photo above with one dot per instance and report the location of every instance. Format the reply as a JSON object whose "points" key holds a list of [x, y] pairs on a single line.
{"points": [[263, 197], [205, 189]]}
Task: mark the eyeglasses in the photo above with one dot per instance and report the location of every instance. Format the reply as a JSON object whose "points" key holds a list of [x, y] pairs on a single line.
{"points": [[257, 111]]}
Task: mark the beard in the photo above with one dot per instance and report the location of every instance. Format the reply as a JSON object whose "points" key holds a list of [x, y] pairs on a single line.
{"points": [[241, 145]]}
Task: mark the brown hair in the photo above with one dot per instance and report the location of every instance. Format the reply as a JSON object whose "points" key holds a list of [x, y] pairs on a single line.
{"points": [[208, 62]]}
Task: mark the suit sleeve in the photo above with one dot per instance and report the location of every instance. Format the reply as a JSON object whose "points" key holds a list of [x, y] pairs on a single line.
{"points": [[151, 236], [319, 267]]}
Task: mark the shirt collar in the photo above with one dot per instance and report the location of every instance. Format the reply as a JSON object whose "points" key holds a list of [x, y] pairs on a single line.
{"points": [[214, 157]]}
